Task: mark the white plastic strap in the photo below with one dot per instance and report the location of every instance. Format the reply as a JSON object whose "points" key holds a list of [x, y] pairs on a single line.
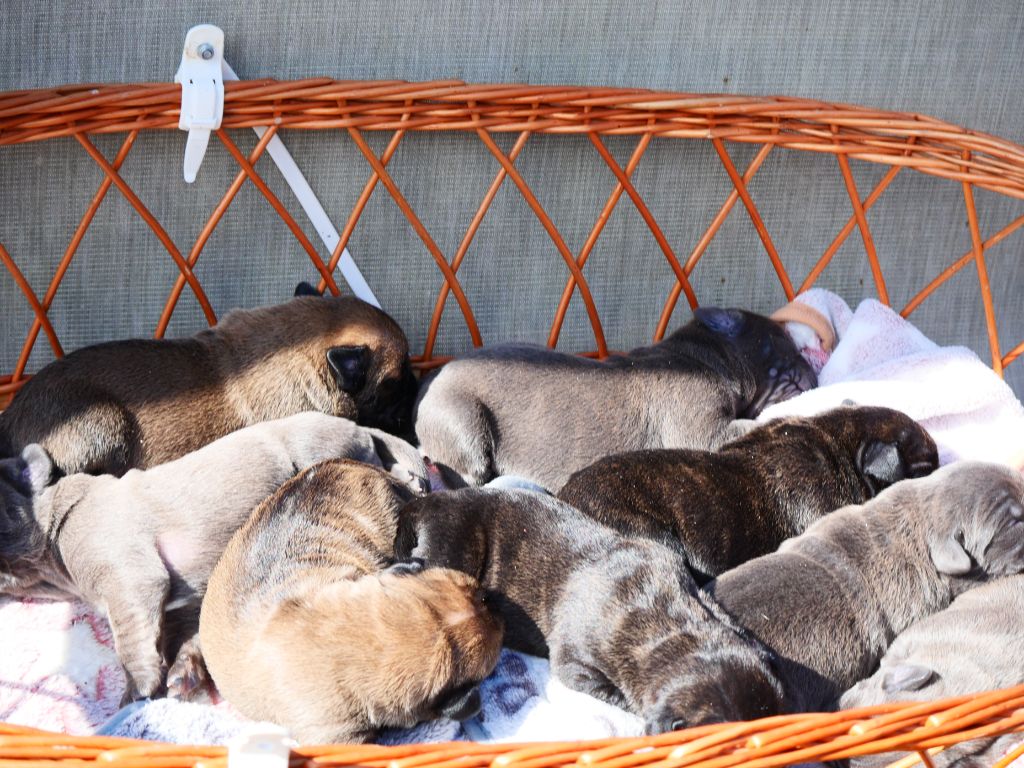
{"points": [[208, 40], [262, 746]]}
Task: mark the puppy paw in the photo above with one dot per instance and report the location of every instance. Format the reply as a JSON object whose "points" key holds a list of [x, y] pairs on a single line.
{"points": [[189, 680]]}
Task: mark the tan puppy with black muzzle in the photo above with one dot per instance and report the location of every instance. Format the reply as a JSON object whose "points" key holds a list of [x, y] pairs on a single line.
{"points": [[141, 547], [307, 624], [137, 403]]}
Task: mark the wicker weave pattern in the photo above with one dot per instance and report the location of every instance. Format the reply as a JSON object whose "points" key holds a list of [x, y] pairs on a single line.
{"points": [[922, 729], [895, 139]]}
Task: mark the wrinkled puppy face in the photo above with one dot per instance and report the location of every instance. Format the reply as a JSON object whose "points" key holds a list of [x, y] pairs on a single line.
{"points": [[367, 357], [780, 372], [726, 684], [886, 445], [976, 525], [22, 542], [440, 639]]}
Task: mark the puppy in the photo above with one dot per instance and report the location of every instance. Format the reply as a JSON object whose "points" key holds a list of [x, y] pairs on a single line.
{"points": [[544, 414], [722, 509], [141, 547], [831, 600], [129, 404], [620, 618], [305, 625], [974, 645]]}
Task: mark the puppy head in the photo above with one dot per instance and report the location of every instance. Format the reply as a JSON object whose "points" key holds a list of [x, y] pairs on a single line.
{"points": [[885, 445], [780, 372], [431, 638], [364, 358], [974, 519], [22, 541], [728, 683]]}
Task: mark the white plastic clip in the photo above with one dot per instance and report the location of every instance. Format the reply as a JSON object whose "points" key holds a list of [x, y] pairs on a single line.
{"points": [[202, 92], [262, 746]]}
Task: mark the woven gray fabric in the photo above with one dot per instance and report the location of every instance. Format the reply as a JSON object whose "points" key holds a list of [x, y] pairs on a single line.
{"points": [[956, 61]]}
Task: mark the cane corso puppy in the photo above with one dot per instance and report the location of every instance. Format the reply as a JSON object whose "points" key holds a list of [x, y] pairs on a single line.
{"points": [[621, 619], [112, 407], [831, 600], [543, 414], [141, 547], [975, 645], [726, 507], [305, 624]]}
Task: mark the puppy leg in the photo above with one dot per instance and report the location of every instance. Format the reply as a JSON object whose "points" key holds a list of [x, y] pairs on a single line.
{"points": [[136, 617], [97, 437], [457, 434], [188, 678], [586, 678]]}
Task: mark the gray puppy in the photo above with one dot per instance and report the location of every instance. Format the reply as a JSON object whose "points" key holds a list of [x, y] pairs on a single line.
{"points": [[976, 644], [621, 619], [543, 414], [725, 507], [136, 403], [831, 600], [141, 547]]}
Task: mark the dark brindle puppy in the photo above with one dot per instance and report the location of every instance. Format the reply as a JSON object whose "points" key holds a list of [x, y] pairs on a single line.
{"points": [[620, 618], [830, 601], [129, 404], [543, 414], [724, 508]]}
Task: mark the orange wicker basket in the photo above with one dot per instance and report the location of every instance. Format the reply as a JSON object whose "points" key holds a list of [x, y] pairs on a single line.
{"points": [[896, 140]]}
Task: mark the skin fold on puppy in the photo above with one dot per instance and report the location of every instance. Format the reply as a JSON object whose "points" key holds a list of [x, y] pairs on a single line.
{"points": [[306, 625], [975, 645], [544, 414], [141, 547], [619, 618], [137, 403], [724, 508], [831, 600]]}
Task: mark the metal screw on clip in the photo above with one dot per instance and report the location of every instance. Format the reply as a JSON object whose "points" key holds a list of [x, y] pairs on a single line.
{"points": [[206, 51]]}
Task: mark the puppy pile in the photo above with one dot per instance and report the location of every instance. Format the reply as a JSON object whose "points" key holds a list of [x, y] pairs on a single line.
{"points": [[248, 509]]}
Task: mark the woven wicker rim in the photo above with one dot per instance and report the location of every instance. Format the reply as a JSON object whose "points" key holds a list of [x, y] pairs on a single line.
{"points": [[899, 140]]}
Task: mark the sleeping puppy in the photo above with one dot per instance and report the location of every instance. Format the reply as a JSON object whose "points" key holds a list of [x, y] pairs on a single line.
{"points": [[137, 403], [974, 645], [141, 547], [724, 508], [544, 414], [620, 618], [306, 625], [831, 600]]}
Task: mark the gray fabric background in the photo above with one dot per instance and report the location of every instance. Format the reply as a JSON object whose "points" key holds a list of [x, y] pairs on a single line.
{"points": [[957, 61]]}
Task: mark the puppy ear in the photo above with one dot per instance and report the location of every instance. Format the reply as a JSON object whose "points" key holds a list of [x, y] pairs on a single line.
{"points": [[907, 677], [349, 365], [879, 464], [41, 471], [31, 472], [725, 322], [949, 556], [306, 289]]}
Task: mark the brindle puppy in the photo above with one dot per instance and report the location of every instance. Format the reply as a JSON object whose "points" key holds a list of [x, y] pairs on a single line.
{"points": [[831, 600], [724, 508], [305, 624], [544, 414], [129, 404], [620, 618]]}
